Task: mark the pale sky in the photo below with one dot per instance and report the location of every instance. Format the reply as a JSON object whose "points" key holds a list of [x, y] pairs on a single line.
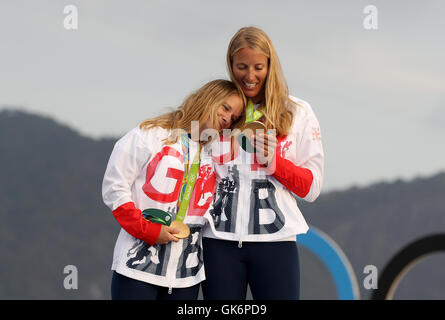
{"points": [[379, 94]]}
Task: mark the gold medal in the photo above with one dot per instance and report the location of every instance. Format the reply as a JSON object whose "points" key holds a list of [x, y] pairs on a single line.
{"points": [[184, 231], [249, 129]]}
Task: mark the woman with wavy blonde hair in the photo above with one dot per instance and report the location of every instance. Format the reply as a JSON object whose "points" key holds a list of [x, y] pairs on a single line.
{"points": [[158, 184], [207, 106], [254, 218]]}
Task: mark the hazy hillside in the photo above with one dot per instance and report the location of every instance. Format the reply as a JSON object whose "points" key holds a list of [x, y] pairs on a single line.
{"points": [[372, 224], [52, 215], [52, 212]]}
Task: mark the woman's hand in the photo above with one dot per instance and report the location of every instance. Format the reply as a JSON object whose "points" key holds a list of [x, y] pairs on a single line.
{"points": [[166, 235], [265, 145]]}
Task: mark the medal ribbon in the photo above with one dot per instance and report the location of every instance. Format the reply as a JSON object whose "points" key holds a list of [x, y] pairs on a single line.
{"points": [[251, 114], [188, 183]]}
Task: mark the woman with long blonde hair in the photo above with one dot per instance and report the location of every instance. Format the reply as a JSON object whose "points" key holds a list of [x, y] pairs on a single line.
{"points": [[158, 184], [254, 218], [206, 108]]}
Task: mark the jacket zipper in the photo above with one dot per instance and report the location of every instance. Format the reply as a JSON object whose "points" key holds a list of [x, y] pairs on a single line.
{"points": [[240, 226], [172, 263], [241, 220]]}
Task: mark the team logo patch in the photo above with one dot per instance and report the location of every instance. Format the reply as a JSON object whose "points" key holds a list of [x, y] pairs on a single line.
{"points": [[316, 135], [285, 145]]}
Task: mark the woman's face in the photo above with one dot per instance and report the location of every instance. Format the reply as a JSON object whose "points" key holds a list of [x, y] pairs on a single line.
{"points": [[250, 71], [227, 113]]}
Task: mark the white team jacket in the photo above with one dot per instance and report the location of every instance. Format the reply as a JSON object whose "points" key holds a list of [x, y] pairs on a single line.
{"points": [[251, 205], [143, 170]]}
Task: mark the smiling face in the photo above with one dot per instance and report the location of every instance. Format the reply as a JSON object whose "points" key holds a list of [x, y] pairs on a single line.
{"points": [[230, 111], [227, 113], [250, 71]]}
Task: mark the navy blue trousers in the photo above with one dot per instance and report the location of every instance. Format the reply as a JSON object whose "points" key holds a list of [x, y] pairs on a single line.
{"points": [[125, 288], [271, 269]]}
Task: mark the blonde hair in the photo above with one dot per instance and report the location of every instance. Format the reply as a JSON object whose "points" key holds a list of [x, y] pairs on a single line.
{"points": [[200, 106], [278, 114]]}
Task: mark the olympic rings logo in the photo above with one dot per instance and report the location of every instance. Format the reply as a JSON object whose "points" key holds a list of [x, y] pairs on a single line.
{"points": [[330, 253]]}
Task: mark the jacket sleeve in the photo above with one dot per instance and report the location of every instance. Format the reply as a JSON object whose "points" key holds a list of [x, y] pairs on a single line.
{"points": [[296, 179], [125, 164], [300, 159], [130, 218]]}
